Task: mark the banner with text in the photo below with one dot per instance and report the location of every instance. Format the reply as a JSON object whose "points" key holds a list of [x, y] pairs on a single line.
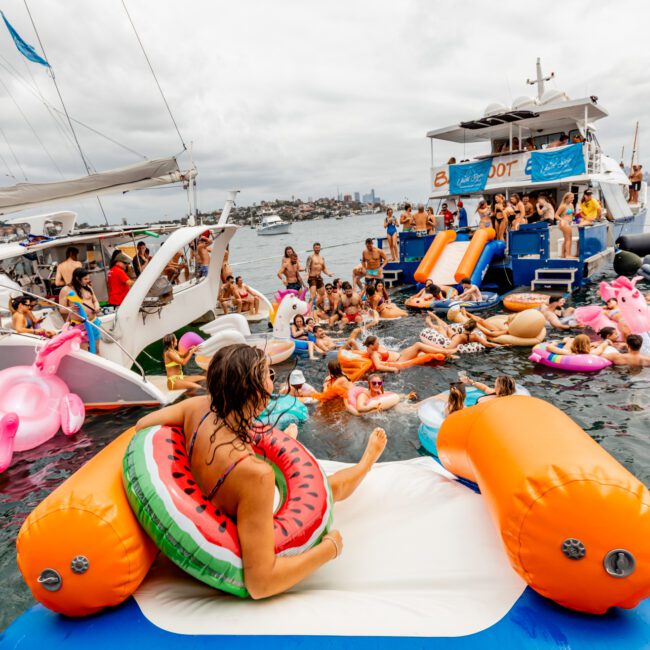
{"points": [[553, 164], [469, 177]]}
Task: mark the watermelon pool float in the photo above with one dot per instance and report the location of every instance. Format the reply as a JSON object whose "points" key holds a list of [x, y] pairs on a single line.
{"points": [[201, 539]]}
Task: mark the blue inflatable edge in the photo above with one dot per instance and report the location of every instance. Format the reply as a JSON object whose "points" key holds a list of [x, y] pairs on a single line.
{"points": [[533, 622]]}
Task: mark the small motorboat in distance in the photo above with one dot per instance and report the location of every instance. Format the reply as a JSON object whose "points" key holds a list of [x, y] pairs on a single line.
{"points": [[273, 225]]}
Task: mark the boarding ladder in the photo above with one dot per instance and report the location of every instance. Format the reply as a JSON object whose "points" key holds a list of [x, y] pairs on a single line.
{"points": [[549, 278]]}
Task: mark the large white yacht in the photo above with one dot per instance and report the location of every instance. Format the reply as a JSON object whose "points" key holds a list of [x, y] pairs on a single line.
{"points": [[273, 225]]}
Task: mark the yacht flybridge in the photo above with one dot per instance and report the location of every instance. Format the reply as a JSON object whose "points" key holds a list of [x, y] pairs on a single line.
{"points": [[30, 248]]}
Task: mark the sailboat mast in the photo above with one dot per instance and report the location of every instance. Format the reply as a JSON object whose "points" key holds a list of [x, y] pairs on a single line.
{"points": [[636, 135]]}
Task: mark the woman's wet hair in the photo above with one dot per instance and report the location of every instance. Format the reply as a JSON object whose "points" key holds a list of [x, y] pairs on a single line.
{"points": [[370, 340], [334, 369], [606, 332], [504, 385], [371, 290], [553, 299], [581, 344], [236, 385], [169, 342], [456, 399], [469, 325]]}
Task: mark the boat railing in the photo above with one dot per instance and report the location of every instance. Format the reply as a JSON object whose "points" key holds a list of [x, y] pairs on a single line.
{"points": [[104, 332]]}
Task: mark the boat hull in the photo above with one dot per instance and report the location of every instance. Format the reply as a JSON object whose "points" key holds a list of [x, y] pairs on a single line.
{"points": [[279, 229]]}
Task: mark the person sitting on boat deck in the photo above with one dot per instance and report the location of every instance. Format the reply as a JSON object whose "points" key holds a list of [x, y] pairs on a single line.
{"points": [[406, 218], [315, 268], [636, 178], [82, 288], [229, 296], [23, 320], [297, 386], [578, 345], [203, 257], [560, 142], [484, 214], [218, 436], [250, 300], [554, 310], [374, 259], [420, 220], [290, 269], [118, 282], [390, 224], [225, 265], [529, 144], [448, 216], [470, 292], [590, 209], [382, 358], [453, 336], [633, 356], [141, 258], [65, 269], [175, 267], [545, 210], [174, 363], [504, 385]]}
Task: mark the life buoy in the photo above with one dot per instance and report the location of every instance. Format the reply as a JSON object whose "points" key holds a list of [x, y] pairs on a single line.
{"points": [[201, 539]]}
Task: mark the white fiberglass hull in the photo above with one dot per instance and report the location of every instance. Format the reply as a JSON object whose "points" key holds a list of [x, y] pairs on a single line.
{"points": [[99, 382], [276, 229]]}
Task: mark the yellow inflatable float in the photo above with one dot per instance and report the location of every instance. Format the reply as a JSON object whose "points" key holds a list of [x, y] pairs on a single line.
{"points": [[575, 523]]}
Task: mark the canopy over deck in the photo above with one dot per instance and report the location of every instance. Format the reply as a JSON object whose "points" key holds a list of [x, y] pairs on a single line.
{"points": [[533, 118]]}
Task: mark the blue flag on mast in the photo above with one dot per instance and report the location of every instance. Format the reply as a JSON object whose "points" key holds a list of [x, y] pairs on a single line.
{"points": [[24, 48]]}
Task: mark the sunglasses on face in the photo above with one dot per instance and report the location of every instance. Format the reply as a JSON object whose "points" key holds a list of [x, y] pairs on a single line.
{"points": [[377, 383]]}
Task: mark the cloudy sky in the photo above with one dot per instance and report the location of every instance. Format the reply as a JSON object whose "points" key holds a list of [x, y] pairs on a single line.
{"points": [[295, 97]]}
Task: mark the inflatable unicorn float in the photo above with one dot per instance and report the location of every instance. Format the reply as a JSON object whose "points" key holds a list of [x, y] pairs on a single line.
{"points": [[35, 403], [233, 328], [633, 309]]}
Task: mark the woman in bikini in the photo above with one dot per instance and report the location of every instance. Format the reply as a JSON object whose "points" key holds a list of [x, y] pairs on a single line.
{"points": [[484, 214], [250, 302], [174, 363], [464, 338], [519, 212], [84, 298], [500, 217], [504, 385], [565, 212], [382, 358], [299, 329], [377, 299], [23, 320], [217, 431]]}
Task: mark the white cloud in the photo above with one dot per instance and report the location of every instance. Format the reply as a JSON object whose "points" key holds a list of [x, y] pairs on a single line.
{"points": [[294, 98]]}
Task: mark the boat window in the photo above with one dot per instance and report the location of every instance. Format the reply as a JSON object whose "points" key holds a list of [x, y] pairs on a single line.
{"points": [[52, 228], [14, 232]]}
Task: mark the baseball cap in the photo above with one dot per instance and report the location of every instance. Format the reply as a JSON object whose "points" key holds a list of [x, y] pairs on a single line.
{"points": [[460, 204], [121, 257], [588, 192], [296, 377]]}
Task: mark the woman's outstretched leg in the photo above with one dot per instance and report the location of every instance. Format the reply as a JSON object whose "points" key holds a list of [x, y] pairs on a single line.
{"points": [[344, 482]]}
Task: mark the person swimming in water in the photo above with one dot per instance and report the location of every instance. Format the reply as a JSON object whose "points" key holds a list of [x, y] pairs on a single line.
{"points": [[578, 345], [504, 385], [174, 363], [218, 439]]}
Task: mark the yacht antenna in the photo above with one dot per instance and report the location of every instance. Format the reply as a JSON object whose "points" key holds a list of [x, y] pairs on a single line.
{"points": [[540, 79], [65, 110]]}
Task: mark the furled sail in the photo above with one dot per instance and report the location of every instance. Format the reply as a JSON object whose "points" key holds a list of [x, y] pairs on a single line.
{"points": [[150, 173]]}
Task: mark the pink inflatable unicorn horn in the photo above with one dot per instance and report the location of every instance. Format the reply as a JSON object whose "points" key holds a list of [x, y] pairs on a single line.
{"points": [[631, 303]]}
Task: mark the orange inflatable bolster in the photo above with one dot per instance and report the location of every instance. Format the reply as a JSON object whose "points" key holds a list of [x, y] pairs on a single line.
{"points": [[354, 364], [476, 245], [433, 254], [333, 391], [83, 540], [418, 361], [575, 523]]}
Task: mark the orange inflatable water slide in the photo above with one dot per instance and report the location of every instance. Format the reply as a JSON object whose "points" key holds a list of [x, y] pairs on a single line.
{"points": [[575, 523], [82, 548], [441, 262]]}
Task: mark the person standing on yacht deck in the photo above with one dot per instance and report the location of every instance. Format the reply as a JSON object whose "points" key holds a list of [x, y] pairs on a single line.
{"points": [[563, 140], [420, 219], [141, 259], [462, 215], [406, 218], [202, 257], [636, 178], [448, 216], [545, 209], [315, 267], [65, 270], [390, 223], [119, 282]]}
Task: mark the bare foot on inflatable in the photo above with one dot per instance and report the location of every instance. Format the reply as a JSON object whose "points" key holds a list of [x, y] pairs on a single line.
{"points": [[292, 430], [375, 448]]}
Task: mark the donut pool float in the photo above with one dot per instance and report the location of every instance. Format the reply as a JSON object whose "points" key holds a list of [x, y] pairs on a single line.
{"points": [[432, 415], [386, 400], [568, 362], [523, 301], [201, 539], [283, 410]]}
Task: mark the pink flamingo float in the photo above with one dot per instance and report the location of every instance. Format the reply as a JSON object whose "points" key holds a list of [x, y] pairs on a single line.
{"points": [[35, 403], [631, 304]]}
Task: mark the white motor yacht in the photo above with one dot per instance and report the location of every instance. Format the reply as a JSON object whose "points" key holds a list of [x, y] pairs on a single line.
{"points": [[273, 225]]}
